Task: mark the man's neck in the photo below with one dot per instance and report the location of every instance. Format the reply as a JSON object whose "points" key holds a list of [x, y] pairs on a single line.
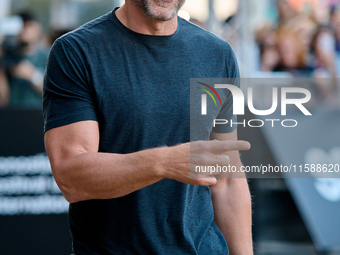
{"points": [[133, 18]]}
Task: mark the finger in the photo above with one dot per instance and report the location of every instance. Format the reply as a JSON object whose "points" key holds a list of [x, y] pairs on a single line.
{"points": [[203, 181], [204, 173], [206, 181], [219, 147]]}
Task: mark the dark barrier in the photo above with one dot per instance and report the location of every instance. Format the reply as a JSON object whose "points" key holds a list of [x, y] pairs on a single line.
{"points": [[313, 146], [21, 133], [314, 141], [33, 217]]}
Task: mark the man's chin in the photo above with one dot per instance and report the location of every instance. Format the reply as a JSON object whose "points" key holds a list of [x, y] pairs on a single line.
{"points": [[162, 14], [164, 3], [160, 10]]}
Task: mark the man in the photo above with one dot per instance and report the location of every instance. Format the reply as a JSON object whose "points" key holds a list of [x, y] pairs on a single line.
{"points": [[116, 108], [21, 84]]}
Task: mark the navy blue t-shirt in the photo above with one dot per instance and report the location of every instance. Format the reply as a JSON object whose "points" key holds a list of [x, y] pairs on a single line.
{"points": [[137, 87]]}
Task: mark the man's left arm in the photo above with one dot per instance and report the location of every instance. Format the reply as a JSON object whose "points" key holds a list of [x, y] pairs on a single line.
{"points": [[232, 205]]}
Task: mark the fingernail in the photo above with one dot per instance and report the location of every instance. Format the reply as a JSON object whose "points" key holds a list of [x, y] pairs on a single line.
{"points": [[226, 156], [246, 146]]}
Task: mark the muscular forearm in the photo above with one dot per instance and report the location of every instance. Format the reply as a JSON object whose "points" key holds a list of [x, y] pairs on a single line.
{"points": [[232, 208], [82, 173], [93, 175]]}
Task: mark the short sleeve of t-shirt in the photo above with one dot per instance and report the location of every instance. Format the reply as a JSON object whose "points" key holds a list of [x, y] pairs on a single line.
{"points": [[67, 96], [226, 111]]}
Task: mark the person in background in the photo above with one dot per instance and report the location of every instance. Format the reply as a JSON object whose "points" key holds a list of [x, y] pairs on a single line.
{"points": [[285, 12], [324, 49], [293, 53], [55, 33], [335, 24], [21, 84], [4, 90], [267, 40], [304, 26], [292, 30]]}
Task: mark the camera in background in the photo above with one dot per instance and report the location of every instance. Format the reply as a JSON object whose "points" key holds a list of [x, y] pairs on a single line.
{"points": [[11, 49]]}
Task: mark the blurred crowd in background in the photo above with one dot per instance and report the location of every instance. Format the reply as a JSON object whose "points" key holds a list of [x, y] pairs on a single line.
{"points": [[299, 37], [304, 43], [23, 58]]}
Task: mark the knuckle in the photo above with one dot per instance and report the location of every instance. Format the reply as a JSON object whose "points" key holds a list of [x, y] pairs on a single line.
{"points": [[202, 160]]}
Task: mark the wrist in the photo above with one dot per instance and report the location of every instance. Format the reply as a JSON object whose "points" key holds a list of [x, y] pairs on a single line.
{"points": [[160, 164], [152, 161]]}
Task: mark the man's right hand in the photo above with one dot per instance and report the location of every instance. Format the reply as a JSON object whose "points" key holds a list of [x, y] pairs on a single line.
{"points": [[180, 161]]}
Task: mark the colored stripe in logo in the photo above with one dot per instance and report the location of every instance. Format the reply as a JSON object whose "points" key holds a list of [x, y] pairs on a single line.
{"points": [[209, 95], [213, 90]]}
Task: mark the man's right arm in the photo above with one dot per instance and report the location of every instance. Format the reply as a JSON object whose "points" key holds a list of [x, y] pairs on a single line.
{"points": [[82, 173]]}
